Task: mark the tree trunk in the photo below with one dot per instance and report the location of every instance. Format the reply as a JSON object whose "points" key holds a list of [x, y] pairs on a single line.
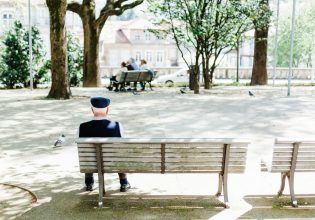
{"points": [[59, 70], [209, 73], [259, 72], [196, 79], [205, 71], [91, 73]]}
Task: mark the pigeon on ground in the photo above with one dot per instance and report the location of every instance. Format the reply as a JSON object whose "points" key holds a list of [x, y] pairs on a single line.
{"points": [[60, 141], [183, 90], [251, 93]]}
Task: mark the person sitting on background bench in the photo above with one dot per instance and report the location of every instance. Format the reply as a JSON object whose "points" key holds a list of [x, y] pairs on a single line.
{"points": [[144, 66], [114, 80], [100, 126], [132, 65]]}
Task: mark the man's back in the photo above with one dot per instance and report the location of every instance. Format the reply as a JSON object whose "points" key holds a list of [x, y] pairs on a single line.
{"points": [[100, 128]]}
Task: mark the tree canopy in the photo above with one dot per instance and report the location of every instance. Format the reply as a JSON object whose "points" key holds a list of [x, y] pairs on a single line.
{"points": [[205, 29]]}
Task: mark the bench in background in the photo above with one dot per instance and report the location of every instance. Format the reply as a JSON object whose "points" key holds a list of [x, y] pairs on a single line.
{"points": [[123, 155], [145, 76], [290, 156]]}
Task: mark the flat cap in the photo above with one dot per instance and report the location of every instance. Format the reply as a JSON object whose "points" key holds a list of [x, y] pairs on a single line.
{"points": [[100, 102]]}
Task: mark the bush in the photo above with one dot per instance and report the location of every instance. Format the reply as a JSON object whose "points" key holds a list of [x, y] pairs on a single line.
{"points": [[15, 57], [75, 60]]}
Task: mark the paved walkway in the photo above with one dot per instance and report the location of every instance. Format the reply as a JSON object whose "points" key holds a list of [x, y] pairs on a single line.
{"points": [[30, 124]]}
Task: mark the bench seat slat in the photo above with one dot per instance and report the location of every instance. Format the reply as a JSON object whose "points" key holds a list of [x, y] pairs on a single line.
{"points": [[87, 149], [305, 166], [130, 170], [131, 145], [306, 153], [305, 158], [127, 164], [193, 150], [88, 163], [132, 159], [88, 154], [87, 159], [282, 154], [88, 169], [281, 163], [142, 154], [81, 145], [134, 150]]}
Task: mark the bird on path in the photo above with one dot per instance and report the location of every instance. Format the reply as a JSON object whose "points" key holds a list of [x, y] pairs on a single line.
{"points": [[251, 93], [183, 90], [60, 141]]}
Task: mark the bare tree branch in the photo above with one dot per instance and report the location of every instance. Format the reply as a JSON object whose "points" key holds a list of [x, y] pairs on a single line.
{"points": [[114, 8]]}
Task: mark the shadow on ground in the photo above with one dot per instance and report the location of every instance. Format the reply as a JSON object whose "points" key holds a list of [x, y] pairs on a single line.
{"points": [[80, 205], [273, 207]]}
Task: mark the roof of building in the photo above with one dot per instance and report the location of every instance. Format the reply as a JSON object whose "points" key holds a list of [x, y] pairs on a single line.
{"points": [[139, 24], [121, 37]]}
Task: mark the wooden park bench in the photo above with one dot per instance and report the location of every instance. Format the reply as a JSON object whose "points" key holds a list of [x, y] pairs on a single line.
{"points": [[123, 155], [290, 156], [144, 76]]}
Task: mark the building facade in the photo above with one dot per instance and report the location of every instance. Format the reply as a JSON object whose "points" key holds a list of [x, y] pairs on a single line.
{"points": [[133, 39]]}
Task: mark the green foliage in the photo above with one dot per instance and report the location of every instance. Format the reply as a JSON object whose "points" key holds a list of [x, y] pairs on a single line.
{"points": [[304, 40], [207, 29], [258, 12], [40, 65], [75, 60], [15, 57]]}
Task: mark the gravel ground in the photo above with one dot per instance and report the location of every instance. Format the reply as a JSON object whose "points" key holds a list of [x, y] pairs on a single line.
{"points": [[30, 124]]}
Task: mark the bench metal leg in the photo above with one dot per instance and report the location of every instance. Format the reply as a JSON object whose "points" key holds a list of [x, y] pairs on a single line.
{"points": [[103, 185], [219, 186], [101, 188], [291, 185], [100, 175], [283, 177], [225, 191], [223, 185], [290, 177]]}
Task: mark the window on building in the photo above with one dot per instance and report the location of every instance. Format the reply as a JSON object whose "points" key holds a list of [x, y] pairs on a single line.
{"points": [[147, 36], [138, 56], [159, 57], [149, 56], [7, 19], [137, 36]]}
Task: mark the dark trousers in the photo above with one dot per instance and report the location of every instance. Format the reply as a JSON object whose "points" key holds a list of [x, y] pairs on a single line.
{"points": [[89, 179]]}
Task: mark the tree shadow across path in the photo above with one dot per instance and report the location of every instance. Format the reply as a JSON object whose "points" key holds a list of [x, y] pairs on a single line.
{"points": [[80, 205]]}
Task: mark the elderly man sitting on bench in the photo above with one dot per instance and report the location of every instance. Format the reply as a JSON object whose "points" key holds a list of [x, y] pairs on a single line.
{"points": [[100, 126]]}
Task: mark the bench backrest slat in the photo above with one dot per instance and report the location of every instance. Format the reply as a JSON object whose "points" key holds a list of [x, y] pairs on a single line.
{"points": [[136, 76]]}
